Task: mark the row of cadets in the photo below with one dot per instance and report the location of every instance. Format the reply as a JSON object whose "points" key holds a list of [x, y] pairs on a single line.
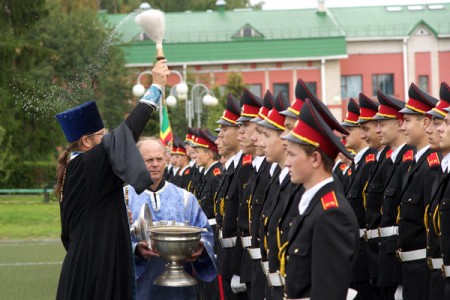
{"points": [[415, 195], [390, 122], [443, 217], [276, 195], [250, 106], [256, 201], [374, 187], [431, 217], [358, 175], [323, 239], [238, 168]]}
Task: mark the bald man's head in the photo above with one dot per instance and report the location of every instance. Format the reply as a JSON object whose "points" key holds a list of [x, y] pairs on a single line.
{"points": [[154, 154]]}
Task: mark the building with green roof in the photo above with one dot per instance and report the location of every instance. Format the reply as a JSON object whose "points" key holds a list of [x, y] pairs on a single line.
{"points": [[339, 52]]}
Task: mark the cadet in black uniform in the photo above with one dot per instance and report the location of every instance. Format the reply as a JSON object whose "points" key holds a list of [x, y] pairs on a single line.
{"points": [[250, 105], [323, 240], [442, 219], [415, 195], [185, 171], [227, 199], [256, 190], [207, 158], [390, 121], [197, 171], [276, 196], [374, 188], [431, 218], [364, 160]]}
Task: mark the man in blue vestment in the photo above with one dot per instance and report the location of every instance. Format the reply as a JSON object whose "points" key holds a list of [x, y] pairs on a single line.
{"points": [[167, 202]]}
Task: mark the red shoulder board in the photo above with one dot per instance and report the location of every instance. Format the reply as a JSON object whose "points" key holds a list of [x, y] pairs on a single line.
{"points": [[329, 201], [409, 155], [217, 172], [388, 154], [349, 172], [342, 167], [433, 159], [247, 160], [187, 171], [370, 158]]}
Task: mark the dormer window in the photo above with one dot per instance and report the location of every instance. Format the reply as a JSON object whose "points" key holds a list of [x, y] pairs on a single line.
{"points": [[247, 31]]}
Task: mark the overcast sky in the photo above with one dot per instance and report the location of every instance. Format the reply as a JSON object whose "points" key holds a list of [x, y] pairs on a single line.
{"points": [[287, 4]]}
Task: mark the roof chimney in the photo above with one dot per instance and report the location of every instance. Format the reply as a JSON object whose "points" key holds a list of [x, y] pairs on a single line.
{"points": [[220, 5], [321, 9]]}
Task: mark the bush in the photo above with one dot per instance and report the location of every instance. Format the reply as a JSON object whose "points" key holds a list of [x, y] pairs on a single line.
{"points": [[32, 175]]}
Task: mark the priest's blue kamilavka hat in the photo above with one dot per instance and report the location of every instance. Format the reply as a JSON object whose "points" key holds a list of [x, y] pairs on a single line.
{"points": [[81, 120]]}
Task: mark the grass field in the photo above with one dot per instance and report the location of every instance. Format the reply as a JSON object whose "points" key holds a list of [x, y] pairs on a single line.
{"points": [[28, 217], [29, 270], [30, 250]]}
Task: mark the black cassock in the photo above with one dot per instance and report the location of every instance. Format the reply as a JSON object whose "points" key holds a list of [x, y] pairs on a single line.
{"points": [[94, 221]]}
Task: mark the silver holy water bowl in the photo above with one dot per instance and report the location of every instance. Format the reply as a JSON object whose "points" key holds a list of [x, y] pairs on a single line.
{"points": [[175, 244]]}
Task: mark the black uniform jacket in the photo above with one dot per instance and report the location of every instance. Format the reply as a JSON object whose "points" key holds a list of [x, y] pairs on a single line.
{"points": [[356, 184], [207, 188], [389, 267], [323, 244], [415, 197], [235, 192]]}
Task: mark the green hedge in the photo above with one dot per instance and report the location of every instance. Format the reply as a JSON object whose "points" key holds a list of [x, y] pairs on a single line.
{"points": [[32, 175]]}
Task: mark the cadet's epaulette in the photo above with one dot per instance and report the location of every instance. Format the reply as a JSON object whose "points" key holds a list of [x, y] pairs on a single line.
{"points": [[349, 172], [342, 167], [217, 172], [409, 155], [187, 171], [433, 159], [388, 154], [247, 160], [370, 158], [329, 201]]}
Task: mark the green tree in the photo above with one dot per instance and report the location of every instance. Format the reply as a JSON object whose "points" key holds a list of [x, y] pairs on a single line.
{"points": [[52, 61]]}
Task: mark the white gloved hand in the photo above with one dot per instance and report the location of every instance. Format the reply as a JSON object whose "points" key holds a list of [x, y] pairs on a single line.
{"points": [[236, 285]]}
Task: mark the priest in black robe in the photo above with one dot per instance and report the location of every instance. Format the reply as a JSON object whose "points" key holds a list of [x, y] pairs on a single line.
{"points": [[91, 174]]}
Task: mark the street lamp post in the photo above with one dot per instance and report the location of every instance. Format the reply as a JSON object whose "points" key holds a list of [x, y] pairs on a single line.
{"points": [[180, 91], [207, 100]]}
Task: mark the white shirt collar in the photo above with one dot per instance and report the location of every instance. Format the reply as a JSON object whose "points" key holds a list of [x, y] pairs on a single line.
{"points": [[359, 155], [237, 157], [228, 163], [379, 153], [283, 174], [192, 163], [308, 195], [272, 168], [257, 162], [421, 152], [444, 163], [395, 153], [175, 170], [336, 164]]}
